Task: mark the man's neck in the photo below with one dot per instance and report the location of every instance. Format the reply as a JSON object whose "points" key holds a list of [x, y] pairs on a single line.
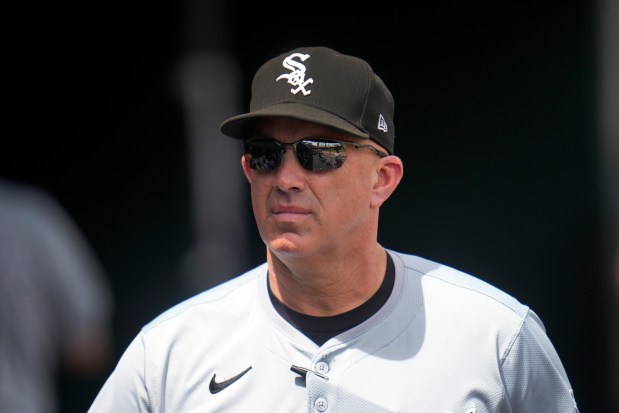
{"points": [[326, 287]]}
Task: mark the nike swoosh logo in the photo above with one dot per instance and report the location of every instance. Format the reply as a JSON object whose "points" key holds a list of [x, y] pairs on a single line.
{"points": [[216, 387]]}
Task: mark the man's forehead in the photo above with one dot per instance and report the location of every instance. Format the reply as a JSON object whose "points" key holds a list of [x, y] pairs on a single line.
{"points": [[277, 127]]}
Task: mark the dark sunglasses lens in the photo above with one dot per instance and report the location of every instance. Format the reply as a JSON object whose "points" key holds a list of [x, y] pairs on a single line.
{"points": [[263, 155], [320, 155]]}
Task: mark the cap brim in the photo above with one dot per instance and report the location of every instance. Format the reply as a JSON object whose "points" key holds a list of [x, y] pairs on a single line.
{"points": [[243, 126]]}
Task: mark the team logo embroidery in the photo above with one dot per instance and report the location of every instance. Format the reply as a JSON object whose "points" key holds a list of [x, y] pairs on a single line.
{"points": [[296, 77], [382, 123]]}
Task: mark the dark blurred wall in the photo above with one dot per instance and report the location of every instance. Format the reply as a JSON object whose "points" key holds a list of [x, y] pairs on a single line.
{"points": [[495, 122]]}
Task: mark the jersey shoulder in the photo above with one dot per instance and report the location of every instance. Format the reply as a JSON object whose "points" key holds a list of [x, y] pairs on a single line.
{"points": [[236, 292], [458, 285]]}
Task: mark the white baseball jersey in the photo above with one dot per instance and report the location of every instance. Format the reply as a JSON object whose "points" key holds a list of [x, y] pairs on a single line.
{"points": [[444, 342]]}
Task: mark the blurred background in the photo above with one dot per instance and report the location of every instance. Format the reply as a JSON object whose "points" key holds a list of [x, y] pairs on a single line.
{"points": [[506, 120]]}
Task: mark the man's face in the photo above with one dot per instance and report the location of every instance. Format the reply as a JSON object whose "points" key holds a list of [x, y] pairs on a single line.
{"points": [[303, 213]]}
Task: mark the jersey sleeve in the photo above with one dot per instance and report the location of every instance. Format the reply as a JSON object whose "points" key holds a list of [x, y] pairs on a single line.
{"points": [[534, 376], [125, 390]]}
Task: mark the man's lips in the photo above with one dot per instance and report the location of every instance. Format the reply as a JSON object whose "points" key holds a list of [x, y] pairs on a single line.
{"points": [[281, 209], [289, 213]]}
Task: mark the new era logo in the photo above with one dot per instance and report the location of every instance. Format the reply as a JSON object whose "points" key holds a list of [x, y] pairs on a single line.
{"points": [[382, 123]]}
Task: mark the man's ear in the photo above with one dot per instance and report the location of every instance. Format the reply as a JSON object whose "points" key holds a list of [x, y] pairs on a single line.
{"points": [[246, 169], [388, 176]]}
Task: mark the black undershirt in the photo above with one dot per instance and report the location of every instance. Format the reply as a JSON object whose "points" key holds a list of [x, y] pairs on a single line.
{"points": [[321, 329]]}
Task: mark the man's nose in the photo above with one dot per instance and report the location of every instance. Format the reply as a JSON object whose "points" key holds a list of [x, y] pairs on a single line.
{"points": [[290, 174]]}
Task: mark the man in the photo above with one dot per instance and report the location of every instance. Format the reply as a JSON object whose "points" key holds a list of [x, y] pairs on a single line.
{"points": [[334, 322], [55, 305]]}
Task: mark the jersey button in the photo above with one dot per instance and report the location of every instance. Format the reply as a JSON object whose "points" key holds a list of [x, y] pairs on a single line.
{"points": [[322, 367], [321, 404]]}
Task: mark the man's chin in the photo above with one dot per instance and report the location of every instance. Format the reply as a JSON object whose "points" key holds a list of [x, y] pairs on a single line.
{"points": [[286, 244]]}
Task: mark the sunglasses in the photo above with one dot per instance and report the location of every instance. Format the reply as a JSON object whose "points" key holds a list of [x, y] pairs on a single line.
{"points": [[314, 154]]}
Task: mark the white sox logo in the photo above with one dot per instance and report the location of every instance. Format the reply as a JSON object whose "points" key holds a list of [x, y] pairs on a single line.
{"points": [[296, 77]]}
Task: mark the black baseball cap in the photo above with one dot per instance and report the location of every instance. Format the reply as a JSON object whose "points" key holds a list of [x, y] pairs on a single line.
{"points": [[323, 86]]}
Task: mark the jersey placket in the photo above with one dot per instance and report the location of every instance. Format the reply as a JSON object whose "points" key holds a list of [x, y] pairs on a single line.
{"points": [[322, 390]]}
